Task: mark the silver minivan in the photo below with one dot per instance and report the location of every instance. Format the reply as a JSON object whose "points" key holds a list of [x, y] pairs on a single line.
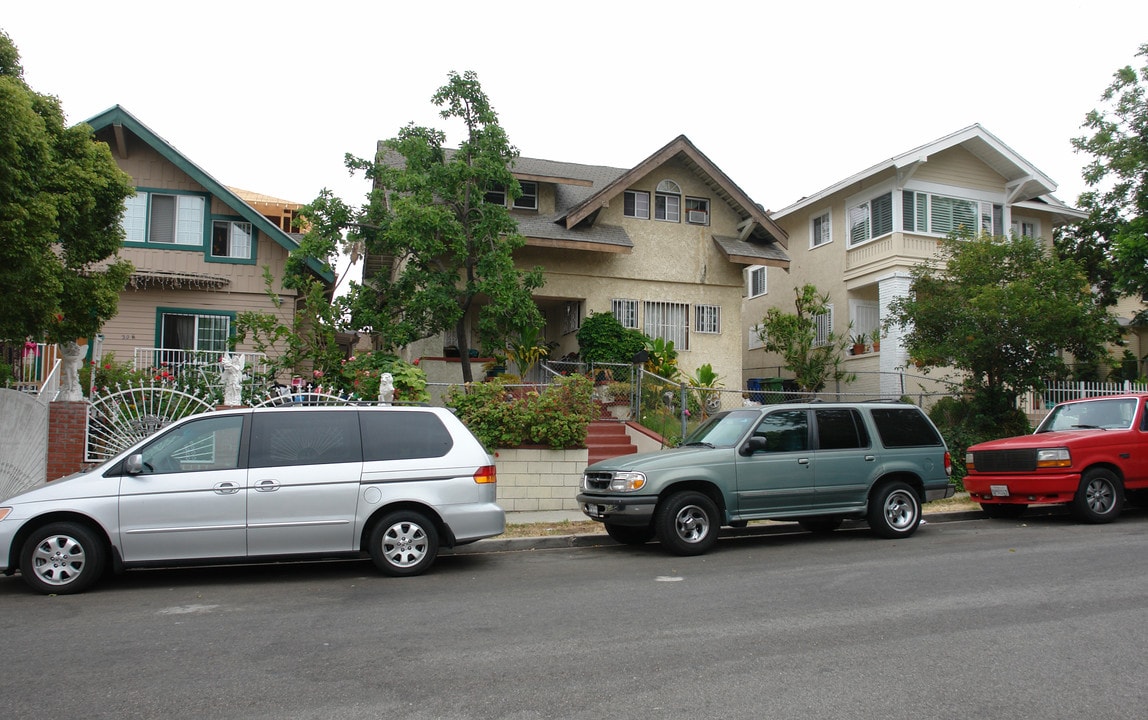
{"points": [[391, 483]]}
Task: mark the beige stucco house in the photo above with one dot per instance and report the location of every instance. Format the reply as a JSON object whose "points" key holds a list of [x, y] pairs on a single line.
{"points": [[858, 238], [662, 245], [199, 249]]}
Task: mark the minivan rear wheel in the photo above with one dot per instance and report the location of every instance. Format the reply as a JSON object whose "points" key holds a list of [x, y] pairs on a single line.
{"points": [[403, 543]]}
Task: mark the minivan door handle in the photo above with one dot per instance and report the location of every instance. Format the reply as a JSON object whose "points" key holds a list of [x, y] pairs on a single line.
{"points": [[267, 486], [226, 488]]}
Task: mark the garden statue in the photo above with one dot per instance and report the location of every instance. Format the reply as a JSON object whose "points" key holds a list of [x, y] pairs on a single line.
{"points": [[232, 377], [73, 354], [386, 389]]}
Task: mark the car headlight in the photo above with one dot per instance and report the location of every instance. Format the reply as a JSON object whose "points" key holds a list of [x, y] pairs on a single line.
{"points": [[1053, 458], [628, 481]]}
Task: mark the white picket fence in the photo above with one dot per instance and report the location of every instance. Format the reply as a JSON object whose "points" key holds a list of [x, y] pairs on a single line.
{"points": [[1039, 403]]}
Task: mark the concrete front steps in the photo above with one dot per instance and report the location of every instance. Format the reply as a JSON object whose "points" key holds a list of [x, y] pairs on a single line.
{"points": [[606, 439]]}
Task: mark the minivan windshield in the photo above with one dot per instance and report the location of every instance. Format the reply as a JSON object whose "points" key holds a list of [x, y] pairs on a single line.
{"points": [[723, 429], [1113, 414]]}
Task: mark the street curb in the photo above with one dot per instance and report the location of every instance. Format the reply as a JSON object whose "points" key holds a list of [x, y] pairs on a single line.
{"points": [[557, 542]]}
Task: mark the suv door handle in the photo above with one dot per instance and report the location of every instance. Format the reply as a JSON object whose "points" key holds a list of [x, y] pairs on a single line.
{"points": [[226, 488], [267, 486], [802, 461], [870, 458]]}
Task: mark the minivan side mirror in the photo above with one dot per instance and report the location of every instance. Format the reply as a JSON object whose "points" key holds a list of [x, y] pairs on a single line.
{"points": [[134, 464], [755, 443]]}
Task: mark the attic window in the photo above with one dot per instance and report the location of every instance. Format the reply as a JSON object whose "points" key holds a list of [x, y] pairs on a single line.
{"points": [[496, 195], [528, 200], [668, 202], [697, 211]]}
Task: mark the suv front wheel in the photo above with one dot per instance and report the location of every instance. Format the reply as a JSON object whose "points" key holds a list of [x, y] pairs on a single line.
{"points": [[687, 523], [894, 510]]}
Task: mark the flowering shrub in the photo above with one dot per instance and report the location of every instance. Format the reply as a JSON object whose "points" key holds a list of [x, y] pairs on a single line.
{"points": [[360, 374], [508, 416]]}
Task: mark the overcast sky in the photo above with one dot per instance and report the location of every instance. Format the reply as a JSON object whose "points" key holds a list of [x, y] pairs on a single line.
{"points": [[786, 98]]}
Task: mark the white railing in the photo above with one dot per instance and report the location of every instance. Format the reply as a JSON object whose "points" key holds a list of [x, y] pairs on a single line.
{"points": [[178, 362], [1064, 390]]}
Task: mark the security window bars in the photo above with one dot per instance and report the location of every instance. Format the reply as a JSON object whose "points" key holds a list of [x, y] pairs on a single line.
{"points": [[707, 318], [626, 312], [669, 321]]}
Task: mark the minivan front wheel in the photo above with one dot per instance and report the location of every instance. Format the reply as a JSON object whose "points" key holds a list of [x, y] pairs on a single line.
{"points": [[687, 523], [403, 543], [894, 510], [62, 558]]}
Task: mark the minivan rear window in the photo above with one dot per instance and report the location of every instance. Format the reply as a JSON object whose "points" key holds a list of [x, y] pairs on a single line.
{"points": [[905, 427], [403, 435], [304, 438]]}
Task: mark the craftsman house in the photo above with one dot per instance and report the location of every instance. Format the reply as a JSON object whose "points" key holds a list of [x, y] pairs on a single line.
{"points": [[858, 238], [199, 250], [662, 245]]}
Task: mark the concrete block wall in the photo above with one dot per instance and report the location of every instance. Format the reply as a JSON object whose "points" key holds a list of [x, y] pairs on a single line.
{"points": [[534, 479]]}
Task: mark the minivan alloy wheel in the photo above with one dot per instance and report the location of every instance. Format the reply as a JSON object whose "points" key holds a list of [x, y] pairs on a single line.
{"points": [[404, 543]]}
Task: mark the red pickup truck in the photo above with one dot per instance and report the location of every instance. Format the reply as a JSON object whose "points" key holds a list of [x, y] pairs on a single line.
{"points": [[1089, 454]]}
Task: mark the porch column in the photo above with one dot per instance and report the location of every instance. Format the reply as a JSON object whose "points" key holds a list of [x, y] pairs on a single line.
{"points": [[894, 357]]}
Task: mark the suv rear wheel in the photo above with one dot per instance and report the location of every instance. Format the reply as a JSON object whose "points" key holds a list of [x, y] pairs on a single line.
{"points": [[687, 523], [894, 510]]}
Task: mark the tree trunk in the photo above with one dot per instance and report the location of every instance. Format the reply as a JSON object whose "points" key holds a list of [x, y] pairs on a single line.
{"points": [[464, 350]]}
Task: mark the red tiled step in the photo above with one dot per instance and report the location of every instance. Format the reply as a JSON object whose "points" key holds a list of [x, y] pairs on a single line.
{"points": [[606, 439]]}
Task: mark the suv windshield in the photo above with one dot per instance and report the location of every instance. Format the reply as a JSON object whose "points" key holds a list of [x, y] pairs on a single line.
{"points": [[1115, 414], [723, 429]]}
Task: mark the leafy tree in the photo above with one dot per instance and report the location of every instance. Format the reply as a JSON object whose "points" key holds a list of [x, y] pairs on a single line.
{"points": [[61, 199], [1112, 242], [1002, 310], [794, 337], [438, 217]]}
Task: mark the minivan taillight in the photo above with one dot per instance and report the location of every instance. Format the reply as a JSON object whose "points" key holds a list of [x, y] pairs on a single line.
{"points": [[948, 464], [485, 474]]}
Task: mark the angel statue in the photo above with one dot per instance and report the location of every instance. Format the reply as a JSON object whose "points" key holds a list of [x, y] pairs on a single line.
{"points": [[386, 389], [232, 377]]}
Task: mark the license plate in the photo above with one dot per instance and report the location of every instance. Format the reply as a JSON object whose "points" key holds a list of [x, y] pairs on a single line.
{"points": [[999, 490], [594, 510]]}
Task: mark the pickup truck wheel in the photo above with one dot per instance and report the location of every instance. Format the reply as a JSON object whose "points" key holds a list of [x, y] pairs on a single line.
{"points": [[686, 523], [820, 525], [403, 543], [1098, 500], [894, 510], [62, 558], [630, 534], [1003, 511]]}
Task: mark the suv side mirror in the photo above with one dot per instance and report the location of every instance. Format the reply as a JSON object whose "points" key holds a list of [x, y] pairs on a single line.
{"points": [[755, 443], [134, 464]]}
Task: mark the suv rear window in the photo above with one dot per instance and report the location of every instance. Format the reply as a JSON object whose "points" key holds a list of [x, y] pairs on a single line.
{"points": [[403, 436], [840, 429], [904, 427]]}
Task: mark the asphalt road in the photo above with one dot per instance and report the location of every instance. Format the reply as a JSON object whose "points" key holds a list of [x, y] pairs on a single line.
{"points": [[1037, 618]]}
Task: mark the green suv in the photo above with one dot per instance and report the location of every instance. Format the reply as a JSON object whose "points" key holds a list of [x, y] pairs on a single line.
{"points": [[813, 463]]}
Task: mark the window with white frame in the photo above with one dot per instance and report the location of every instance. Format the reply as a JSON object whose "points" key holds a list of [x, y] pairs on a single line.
{"points": [[820, 230], [191, 331], [707, 319], [164, 218], [871, 219], [636, 204], [668, 202], [755, 281], [866, 318], [943, 214], [669, 321], [625, 312], [528, 200], [231, 239], [697, 211], [824, 324], [1025, 227]]}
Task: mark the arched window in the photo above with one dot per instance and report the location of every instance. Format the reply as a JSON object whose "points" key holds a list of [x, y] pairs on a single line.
{"points": [[668, 202]]}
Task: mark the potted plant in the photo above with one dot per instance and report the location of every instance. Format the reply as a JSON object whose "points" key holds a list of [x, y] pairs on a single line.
{"points": [[876, 342], [859, 341]]}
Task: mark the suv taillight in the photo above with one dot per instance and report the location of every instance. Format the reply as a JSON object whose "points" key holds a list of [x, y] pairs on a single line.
{"points": [[948, 464], [485, 474]]}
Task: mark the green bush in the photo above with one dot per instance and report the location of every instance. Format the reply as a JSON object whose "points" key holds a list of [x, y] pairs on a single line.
{"points": [[360, 375], [510, 416], [602, 339], [963, 425]]}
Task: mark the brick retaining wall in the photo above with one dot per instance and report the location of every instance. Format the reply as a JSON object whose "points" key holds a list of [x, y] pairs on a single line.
{"points": [[534, 479]]}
